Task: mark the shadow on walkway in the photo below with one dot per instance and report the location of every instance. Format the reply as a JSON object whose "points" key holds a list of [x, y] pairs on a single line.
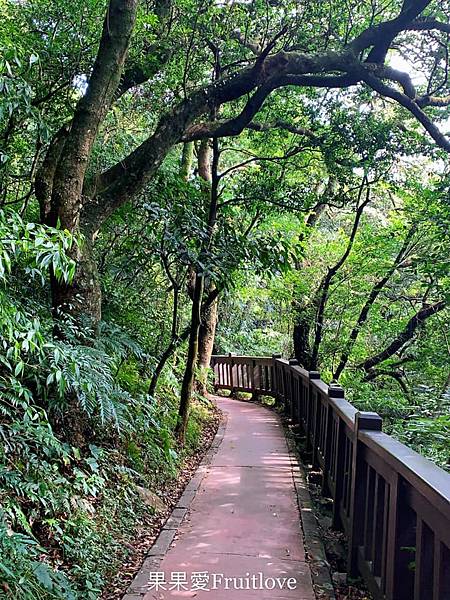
{"points": [[243, 522]]}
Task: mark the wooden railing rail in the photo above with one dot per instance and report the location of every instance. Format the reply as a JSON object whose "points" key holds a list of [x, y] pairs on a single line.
{"points": [[392, 503]]}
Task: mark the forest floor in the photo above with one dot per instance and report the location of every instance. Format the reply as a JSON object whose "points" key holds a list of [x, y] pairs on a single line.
{"points": [[152, 524]]}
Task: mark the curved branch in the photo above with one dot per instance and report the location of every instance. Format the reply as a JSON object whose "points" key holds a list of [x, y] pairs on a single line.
{"points": [[380, 37], [373, 374], [385, 90], [429, 25], [404, 336], [328, 279], [374, 293]]}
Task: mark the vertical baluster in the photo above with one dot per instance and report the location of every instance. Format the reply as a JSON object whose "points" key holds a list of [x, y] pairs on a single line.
{"points": [[424, 563], [315, 399], [253, 381], [339, 472], [310, 409], [231, 374], [378, 526], [334, 391], [401, 538], [292, 363], [363, 421], [441, 587], [369, 513]]}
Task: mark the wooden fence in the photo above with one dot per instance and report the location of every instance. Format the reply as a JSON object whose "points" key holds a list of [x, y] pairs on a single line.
{"points": [[392, 503]]}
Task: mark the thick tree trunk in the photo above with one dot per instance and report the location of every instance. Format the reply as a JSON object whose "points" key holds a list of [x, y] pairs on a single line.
{"points": [[82, 298], [302, 330], [61, 185], [186, 160], [207, 334]]}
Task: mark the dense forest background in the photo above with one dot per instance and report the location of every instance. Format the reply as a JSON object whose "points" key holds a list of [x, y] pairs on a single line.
{"points": [[179, 177]]}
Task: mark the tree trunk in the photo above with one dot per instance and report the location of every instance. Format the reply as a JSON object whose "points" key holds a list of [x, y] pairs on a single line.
{"points": [[364, 313], [186, 160], [61, 183], [191, 361], [174, 343], [81, 298], [192, 358], [302, 329], [324, 288], [207, 334]]}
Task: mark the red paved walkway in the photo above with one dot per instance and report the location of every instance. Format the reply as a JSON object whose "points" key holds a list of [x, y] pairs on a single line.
{"points": [[244, 518]]}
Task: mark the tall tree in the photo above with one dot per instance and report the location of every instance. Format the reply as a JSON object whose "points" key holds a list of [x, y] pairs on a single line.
{"points": [[83, 204]]}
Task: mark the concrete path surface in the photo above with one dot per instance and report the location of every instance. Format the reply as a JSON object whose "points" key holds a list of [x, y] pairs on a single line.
{"points": [[241, 537]]}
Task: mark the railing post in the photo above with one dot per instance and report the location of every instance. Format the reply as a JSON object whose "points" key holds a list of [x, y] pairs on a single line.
{"points": [[368, 421], [339, 474], [334, 391], [284, 375], [401, 539]]}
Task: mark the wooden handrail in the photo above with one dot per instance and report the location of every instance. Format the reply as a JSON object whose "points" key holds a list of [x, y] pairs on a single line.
{"points": [[392, 503]]}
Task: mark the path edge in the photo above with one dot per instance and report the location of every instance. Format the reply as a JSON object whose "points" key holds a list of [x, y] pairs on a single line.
{"points": [[140, 584], [316, 555]]}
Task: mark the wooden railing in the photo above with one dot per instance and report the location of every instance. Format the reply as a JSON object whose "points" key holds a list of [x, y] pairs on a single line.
{"points": [[392, 503]]}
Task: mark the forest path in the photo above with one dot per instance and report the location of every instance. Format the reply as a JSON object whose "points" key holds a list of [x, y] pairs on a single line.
{"points": [[243, 520]]}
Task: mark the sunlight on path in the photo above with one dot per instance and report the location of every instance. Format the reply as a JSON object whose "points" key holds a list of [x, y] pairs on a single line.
{"points": [[243, 521]]}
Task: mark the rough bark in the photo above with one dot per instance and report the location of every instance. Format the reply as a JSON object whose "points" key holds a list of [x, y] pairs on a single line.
{"points": [[66, 177], [175, 343], [43, 186], [192, 357], [204, 162], [207, 335], [186, 160], [191, 361], [301, 334], [209, 316]]}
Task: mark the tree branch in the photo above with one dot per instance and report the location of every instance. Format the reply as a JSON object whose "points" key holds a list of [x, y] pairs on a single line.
{"points": [[328, 279], [429, 25], [404, 336], [411, 106], [374, 293]]}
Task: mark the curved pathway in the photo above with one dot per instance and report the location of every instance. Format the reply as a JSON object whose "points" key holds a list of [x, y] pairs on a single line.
{"points": [[236, 531]]}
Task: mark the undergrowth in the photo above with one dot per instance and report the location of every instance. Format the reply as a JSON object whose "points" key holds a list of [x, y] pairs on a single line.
{"points": [[67, 511]]}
